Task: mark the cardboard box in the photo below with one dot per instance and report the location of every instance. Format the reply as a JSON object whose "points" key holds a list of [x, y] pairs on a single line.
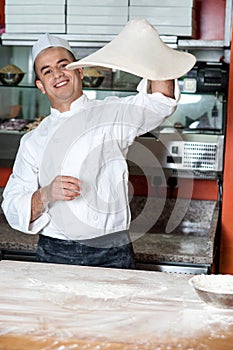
{"points": [[189, 31], [35, 28], [180, 22], [97, 20], [35, 18], [158, 19], [163, 3], [97, 11], [35, 9], [168, 21], [93, 29], [35, 2], [106, 3], [138, 11]]}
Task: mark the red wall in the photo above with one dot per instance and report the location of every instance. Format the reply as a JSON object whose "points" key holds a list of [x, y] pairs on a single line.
{"points": [[202, 189], [210, 18], [211, 27], [226, 254], [4, 175]]}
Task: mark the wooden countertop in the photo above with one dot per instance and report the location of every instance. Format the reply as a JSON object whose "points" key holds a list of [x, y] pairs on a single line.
{"points": [[46, 306]]}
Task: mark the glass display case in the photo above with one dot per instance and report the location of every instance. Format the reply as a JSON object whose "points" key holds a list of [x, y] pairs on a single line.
{"points": [[190, 143], [33, 104], [203, 101], [201, 109], [25, 102], [199, 113], [30, 101]]}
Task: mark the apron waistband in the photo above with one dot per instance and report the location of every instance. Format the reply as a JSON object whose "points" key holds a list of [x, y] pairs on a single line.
{"points": [[106, 241]]}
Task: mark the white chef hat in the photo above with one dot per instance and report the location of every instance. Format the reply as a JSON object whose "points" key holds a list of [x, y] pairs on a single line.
{"points": [[139, 50], [46, 41]]}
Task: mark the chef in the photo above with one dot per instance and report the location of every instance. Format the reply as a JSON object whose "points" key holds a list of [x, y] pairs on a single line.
{"points": [[70, 176]]}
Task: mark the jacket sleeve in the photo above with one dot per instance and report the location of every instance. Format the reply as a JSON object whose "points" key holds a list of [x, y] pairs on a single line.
{"points": [[17, 194], [142, 112]]}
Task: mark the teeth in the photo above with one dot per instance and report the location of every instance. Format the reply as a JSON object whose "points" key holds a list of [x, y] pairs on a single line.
{"points": [[61, 83]]}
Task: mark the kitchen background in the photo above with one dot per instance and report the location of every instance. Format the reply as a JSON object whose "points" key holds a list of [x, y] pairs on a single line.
{"points": [[194, 170]]}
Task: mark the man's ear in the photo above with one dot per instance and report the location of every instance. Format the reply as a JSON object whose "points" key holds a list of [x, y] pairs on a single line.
{"points": [[40, 86], [80, 72]]}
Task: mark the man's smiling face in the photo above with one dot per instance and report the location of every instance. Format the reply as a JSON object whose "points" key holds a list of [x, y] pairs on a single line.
{"points": [[62, 86]]}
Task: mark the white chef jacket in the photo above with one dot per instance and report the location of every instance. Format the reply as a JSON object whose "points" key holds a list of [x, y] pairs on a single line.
{"points": [[90, 142]]}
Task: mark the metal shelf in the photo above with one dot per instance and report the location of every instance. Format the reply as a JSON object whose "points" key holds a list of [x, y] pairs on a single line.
{"points": [[80, 40], [192, 44]]}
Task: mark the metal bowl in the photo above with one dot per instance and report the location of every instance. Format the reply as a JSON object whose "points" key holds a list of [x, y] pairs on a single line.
{"points": [[92, 81], [215, 290], [11, 78]]}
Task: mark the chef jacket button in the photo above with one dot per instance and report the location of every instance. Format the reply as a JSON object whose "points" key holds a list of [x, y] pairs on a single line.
{"points": [[95, 217]]}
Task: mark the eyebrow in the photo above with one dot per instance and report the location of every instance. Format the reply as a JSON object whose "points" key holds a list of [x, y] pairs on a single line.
{"points": [[61, 60]]}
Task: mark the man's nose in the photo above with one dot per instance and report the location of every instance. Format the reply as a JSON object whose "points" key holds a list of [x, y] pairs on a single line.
{"points": [[58, 72]]}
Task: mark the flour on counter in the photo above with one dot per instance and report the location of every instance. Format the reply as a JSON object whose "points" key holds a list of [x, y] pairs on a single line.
{"points": [[108, 304]]}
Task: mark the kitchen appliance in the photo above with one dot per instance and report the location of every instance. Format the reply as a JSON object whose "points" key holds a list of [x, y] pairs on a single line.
{"points": [[189, 146], [191, 141]]}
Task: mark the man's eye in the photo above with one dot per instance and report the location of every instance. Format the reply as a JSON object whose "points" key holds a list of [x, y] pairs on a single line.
{"points": [[63, 66], [47, 72]]}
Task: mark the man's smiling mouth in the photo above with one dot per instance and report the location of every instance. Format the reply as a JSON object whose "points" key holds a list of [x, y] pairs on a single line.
{"points": [[61, 83]]}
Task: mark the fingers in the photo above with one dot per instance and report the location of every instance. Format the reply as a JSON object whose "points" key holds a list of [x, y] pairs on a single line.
{"points": [[70, 187], [64, 188]]}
